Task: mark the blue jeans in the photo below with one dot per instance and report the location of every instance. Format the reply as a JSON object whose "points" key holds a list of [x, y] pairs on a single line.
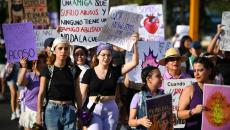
{"points": [[105, 116], [60, 117]]}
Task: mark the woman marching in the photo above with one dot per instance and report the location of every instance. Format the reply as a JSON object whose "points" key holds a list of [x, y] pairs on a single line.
{"points": [[30, 79], [152, 78], [102, 80], [191, 99], [61, 87]]}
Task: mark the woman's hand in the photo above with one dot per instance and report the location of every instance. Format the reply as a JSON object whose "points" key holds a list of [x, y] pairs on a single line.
{"points": [[135, 37], [144, 121], [23, 62], [39, 119], [58, 29], [197, 110], [219, 29]]}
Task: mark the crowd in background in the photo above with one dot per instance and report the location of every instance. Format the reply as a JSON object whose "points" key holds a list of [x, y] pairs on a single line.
{"points": [[72, 77]]}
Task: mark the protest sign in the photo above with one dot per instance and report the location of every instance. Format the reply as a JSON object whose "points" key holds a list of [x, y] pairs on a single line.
{"points": [[16, 11], [19, 41], [149, 54], [119, 28], [159, 112], [82, 21], [152, 24], [216, 99], [225, 35], [36, 12], [42, 35], [182, 30], [226, 18], [175, 87], [129, 8]]}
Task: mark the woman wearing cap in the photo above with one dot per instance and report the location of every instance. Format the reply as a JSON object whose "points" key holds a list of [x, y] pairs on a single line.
{"points": [[102, 80], [172, 61], [191, 99], [151, 76], [61, 87]]}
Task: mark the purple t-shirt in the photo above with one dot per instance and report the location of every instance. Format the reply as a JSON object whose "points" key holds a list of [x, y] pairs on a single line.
{"points": [[31, 94], [134, 102]]}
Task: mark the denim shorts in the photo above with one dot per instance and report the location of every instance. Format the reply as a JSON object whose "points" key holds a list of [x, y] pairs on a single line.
{"points": [[60, 117]]}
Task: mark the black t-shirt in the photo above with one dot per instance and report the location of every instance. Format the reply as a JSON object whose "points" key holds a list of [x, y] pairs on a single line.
{"points": [[105, 87], [223, 66], [62, 83]]}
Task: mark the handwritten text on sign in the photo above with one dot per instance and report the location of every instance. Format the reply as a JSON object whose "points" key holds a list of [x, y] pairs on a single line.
{"points": [[152, 24], [82, 20], [225, 36], [119, 27], [42, 35], [226, 18], [36, 11], [175, 87], [20, 41]]}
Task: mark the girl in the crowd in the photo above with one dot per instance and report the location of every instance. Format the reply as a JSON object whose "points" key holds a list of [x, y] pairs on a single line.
{"points": [[61, 87], [102, 80], [151, 76], [80, 54], [190, 103], [30, 79], [11, 73]]}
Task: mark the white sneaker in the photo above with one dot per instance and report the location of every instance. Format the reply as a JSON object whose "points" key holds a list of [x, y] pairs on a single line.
{"points": [[13, 116], [17, 112]]}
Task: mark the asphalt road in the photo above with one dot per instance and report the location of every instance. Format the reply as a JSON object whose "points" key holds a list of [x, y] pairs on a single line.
{"points": [[5, 114]]}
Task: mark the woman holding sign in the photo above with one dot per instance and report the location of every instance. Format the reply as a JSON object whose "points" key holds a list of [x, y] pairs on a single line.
{"points": [[190, 103], [30, 79], [102, 80], [152, 78], [59, 81]]}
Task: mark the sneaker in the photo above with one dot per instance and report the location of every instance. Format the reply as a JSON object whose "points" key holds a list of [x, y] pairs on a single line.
{"points": [[17, 112], [13, 116]]}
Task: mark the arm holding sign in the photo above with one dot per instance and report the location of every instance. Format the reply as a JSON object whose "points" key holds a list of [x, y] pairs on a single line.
{"points": [[213, 47], [133, 121], [184, 102], [22, 72], [135, 59]]}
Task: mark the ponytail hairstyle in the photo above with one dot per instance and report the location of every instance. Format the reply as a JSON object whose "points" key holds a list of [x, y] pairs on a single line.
{"points": [[146, 73]]}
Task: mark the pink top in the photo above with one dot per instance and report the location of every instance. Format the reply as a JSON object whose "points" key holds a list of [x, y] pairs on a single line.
{"points": [[166, 76]]}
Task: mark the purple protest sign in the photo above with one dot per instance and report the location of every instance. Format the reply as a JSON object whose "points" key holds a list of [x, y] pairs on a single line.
{"points": [[20, 41]]}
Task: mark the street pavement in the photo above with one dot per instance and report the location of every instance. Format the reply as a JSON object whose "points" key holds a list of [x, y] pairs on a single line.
{"points": [[5, 114]]}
